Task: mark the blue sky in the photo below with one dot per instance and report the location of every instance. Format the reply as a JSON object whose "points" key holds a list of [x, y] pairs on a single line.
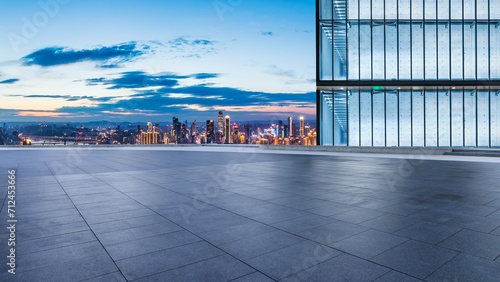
{"points": [[70, 60]]}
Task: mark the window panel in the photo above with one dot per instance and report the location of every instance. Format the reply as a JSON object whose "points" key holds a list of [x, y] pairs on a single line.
{"points": [[457, 114], [495, 50], [366, 118], [495, 118], [430, 51], [352, 9], [456, 51], [378, 9], [326, 112], [482, 9], [325, 8], [353, 117], [378, 50], [444, 118], [391, 116], [391, 9], [365, 9], [456, 9], [404, 9], [366, 50], [431, 118], [340, 50], [417, 50], [417, 9], [405, 110], [443, 9], [430, 9], [494, 10], [378, 118], [353, 50], [404, 51], [391, 50], [418, 118], [470, 50], [483, 62], [340, 118], [469, 9], [326, 63], [470, 118], [444, 50], [483, 118]]}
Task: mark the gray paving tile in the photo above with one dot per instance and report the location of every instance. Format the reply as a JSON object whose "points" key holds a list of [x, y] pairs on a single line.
{"points": [[428, 232], [253, 277], [342, 268], [261, 244], [474, 243], [395, 276], [135, 222], [467, 268], [358, 215], [125, 235], [111, 277], [235, 233], [476, 223], [368, 244], [54, 242], [333, 232], [157, 262], [151, 244], [390, 223], [48, 231], [330, 209], [222, 268], [303, 223], [436, 215], [292, 259], [415, 258]]}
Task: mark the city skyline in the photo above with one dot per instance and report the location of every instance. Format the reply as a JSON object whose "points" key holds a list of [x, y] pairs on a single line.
{"points": [[140, 61]]}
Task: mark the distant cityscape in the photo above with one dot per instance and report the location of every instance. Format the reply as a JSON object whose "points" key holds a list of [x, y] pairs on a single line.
{"points": [[219, 131]]}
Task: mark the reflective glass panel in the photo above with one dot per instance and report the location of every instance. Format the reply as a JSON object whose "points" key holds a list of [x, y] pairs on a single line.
{"points": [[353, 50], [431, 118], [391, 117], [340, 48], [444, 50], [326, 112], [418, 118], [483, 118], [391, 50], [326, 51], [470, 118], [444, 125], [366, 118], [378, 51], [353, 117], [457, 112], [495, 118], [378, 118], [340, 118], [404, 51], [430, 51], [405, 109]]}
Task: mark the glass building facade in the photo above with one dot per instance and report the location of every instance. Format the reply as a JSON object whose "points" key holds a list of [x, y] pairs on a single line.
{"points": [[423, 73]]}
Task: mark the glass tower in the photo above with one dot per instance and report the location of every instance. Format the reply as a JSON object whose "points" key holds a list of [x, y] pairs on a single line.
{"points": [[408, 73]]}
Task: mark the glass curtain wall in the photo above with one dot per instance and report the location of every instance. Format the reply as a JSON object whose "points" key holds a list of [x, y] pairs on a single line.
{"points": [[411, 118], [409, 40]]}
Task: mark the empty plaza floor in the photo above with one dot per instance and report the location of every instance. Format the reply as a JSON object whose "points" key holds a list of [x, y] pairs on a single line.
{"points": [[209, 214]]}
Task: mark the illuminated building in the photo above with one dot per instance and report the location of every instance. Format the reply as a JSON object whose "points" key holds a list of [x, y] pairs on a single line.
{"points": [[220, 124], [227, 132], [236, 133], [290, 127], [408, 73], [149, 138], [301, 132], [150, 127], [210, 131]]}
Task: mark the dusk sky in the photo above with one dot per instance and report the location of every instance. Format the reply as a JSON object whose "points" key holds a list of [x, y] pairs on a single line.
{"points": [[150, 60]]}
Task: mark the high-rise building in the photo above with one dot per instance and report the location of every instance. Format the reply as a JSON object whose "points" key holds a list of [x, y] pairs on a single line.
{"points": [[193, 128], [210, 131], [290, 127], [150, 127], [149, 138], [236, 133], [177, 130], [227, 132], [301, 130], [248, 127], [220, 124], [408, 73]]}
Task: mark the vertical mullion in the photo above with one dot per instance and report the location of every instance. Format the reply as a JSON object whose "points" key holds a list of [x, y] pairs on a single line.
{"points": [[359, 115], [347, 115], [399, 123], [451, 118], [437, 106], [477, 114], [463, 112], [489, 113], [397, 34], [385, 116], [463, 43], [411, 115], [371, 91], [385, 46], [371, 37], [424, 57], [411, 45], [359, 47], [449, 45], [425, 118], [333, 117]]}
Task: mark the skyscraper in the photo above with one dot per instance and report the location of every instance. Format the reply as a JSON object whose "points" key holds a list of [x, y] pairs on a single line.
{"points": [[290, 127], [210, 131], [193, 128], [177, 130], [248, 127], [220, 125], [227, 132], [301, 132], [150, 127], [236, 134], [280, 130], [413, 73]]}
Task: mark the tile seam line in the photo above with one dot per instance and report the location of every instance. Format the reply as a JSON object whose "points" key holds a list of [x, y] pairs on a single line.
{"points": [[91, 278], [166, 219], [90, 228]]}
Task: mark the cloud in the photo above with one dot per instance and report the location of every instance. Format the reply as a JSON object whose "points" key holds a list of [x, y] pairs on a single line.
{"points": [[191, 48], [9, 81], [139, 80], [268, 33], [107, 57], [273, 69], [67, 97]]}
